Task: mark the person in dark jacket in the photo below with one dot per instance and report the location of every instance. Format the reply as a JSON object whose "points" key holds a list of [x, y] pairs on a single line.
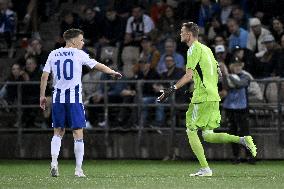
{"points": [[251, 63], [9, 92]]}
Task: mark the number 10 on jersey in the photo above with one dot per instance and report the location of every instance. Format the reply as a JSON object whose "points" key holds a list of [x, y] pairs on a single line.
{"points": [[68, 63]]}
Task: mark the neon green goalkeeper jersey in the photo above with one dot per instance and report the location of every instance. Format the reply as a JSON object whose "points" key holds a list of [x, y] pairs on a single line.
{"points": [[205, 75]]}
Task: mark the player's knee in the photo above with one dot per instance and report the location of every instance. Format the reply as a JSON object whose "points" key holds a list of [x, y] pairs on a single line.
{"points": [[78, 134], [190, 131], [59, 132], [206, 135]]}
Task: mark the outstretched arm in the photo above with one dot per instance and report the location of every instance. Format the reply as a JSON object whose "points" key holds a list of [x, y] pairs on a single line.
{"points": [[103, 68], [183, 81]]}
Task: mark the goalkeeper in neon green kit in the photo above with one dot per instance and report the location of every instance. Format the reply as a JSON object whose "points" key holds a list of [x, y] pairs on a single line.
{"points": [[203, 112]]}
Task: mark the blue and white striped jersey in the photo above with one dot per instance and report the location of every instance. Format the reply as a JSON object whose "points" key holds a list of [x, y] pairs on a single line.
{"points": [[65, 64]]}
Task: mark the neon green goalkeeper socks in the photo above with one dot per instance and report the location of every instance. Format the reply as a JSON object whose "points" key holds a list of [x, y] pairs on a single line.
{"points": [[197, 147], [221, 138]]}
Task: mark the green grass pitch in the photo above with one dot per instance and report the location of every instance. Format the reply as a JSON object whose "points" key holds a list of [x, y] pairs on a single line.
{"points": [[146, 174]]}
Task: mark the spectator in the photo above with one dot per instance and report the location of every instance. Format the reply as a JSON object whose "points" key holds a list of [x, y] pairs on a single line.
{"points": [[30, 92], [239, 15], [236, 105], [138, 25], [123, 8], [90, 26], [149, 53], [226, 10], [127, 116], [113, 91], [238, 35], [221, 54], [277, 29], [174, 73], [167, 25], [278, 59], [170, 49], [251, 63], [150, 93], [268, 61], [256, 36], [206, 11], [216, 28], [157, 10], [9, 92], [29, 13], [36, 50], [69, 20], [90, 93], [112, 29], [7, 22], [90, 88]]}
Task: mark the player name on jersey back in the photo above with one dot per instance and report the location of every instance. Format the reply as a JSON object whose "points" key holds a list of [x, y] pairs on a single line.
{"points": [[64, 53]]}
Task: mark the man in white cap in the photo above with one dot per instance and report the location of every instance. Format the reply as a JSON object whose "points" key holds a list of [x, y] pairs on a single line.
{"points": [[221, 54], [255, 38]]}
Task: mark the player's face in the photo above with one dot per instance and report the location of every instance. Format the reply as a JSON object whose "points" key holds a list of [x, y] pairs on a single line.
{"points": [[184, 35], [79, 42]]}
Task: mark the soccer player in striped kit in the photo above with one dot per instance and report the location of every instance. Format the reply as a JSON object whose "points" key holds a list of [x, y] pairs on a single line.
{"points": [[65, 64]]}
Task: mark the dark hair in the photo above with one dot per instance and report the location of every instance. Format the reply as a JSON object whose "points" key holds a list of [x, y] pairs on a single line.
{"points": [[233, 20], [33, 58], [110, 9], [137, 6], [280, 19], [72, 33], [192, 27]]}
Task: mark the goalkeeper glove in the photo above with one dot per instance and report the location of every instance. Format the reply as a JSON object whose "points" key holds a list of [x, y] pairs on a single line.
{"points": [[166, 93]]}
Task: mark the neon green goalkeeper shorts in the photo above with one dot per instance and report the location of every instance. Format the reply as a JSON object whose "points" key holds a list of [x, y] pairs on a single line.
{"points": [[204, 115]]}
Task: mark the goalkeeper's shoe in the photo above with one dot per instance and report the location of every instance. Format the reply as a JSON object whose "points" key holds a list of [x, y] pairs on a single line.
{"points": [[203, 172], [79, 173], [250, 145], [54, 170]]}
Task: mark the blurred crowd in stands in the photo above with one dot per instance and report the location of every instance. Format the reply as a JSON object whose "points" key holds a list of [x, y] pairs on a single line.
{"points": [[141, 39]]}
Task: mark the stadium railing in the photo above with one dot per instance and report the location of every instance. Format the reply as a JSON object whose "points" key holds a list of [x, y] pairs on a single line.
{"points": [[264, 115]]}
